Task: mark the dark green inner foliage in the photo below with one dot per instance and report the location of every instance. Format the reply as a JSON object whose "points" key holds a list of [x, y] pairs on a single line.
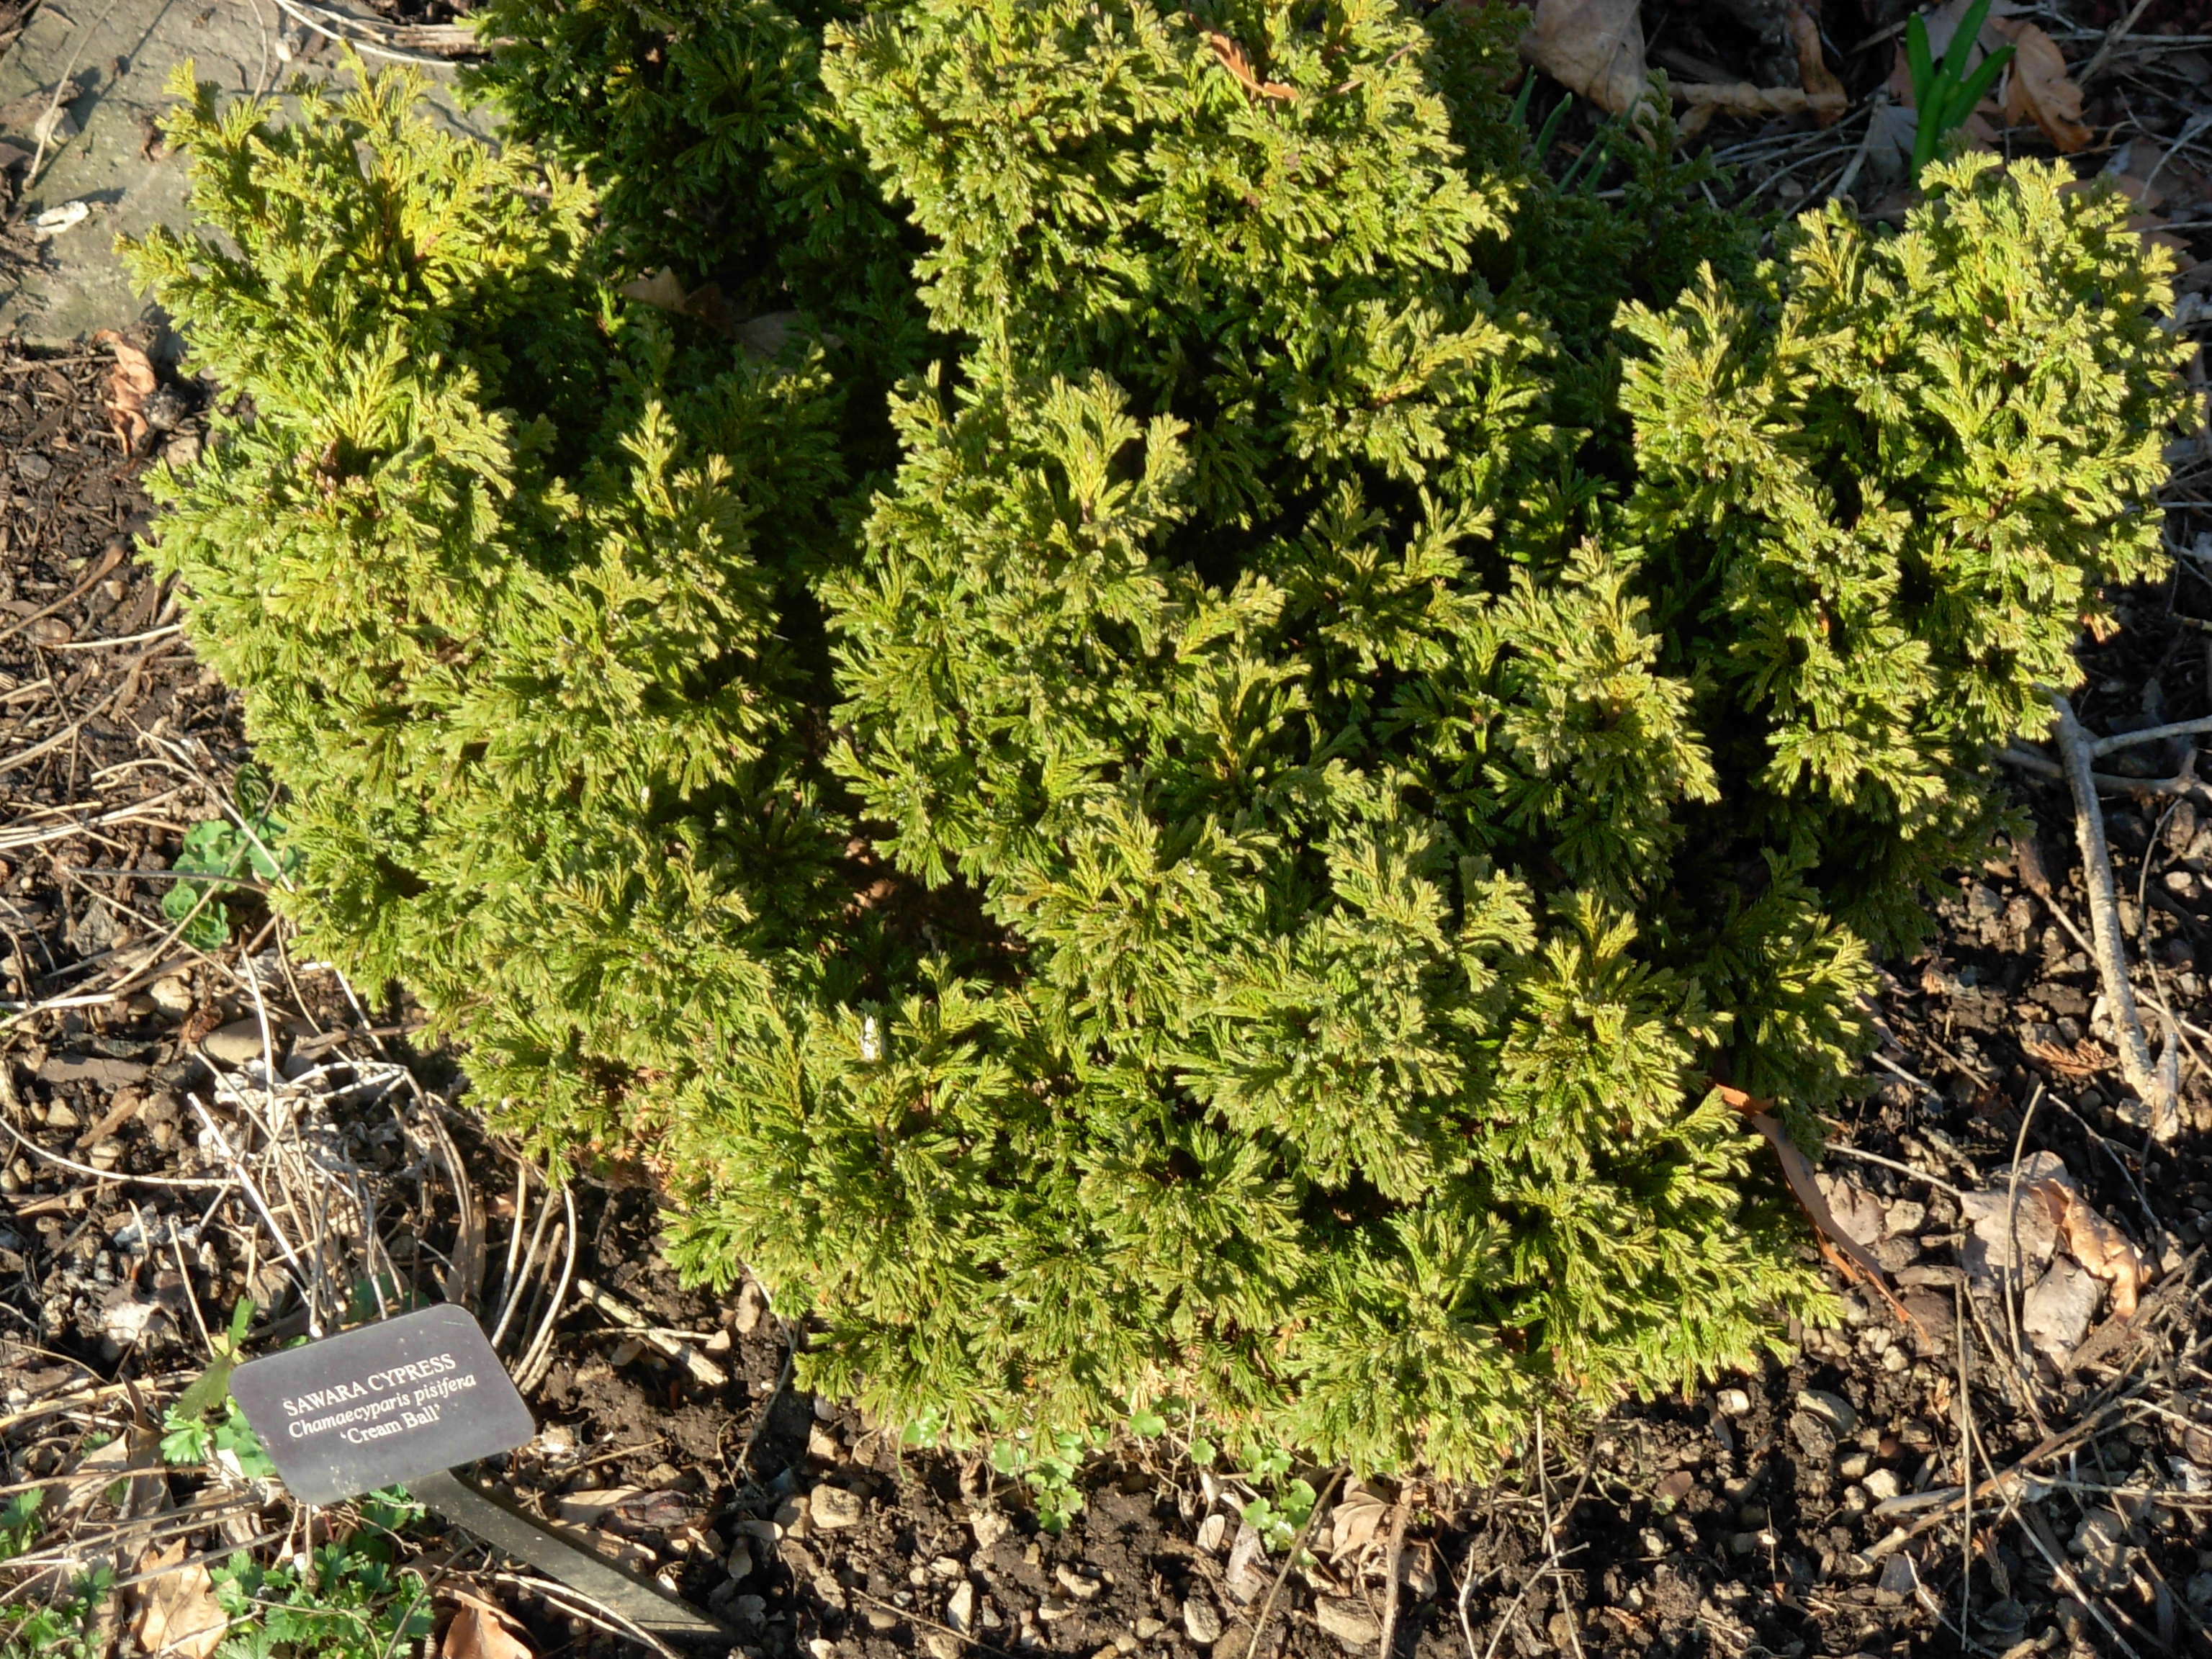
{"points": [[1187, 786]]}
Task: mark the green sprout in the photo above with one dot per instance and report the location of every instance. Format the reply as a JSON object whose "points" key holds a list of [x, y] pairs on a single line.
{"points": [[1945, 93], [218, 855]]}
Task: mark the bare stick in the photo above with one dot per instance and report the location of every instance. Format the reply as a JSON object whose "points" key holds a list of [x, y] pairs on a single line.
{"points": [[2102, 746], [1966, 1474], [2013, 1286], [539, 1357], [2113, 36], [512, 1303], [2107, 782], [1553, 1555], [2031, 1524], [1999, 1486], [1390, 1569], [453, 41], [2154, 1082], [188, 1183], [702, 1369], [1297, 1548]]}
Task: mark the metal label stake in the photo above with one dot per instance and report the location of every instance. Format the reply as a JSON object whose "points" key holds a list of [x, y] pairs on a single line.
{"points": [[406, 1402]]}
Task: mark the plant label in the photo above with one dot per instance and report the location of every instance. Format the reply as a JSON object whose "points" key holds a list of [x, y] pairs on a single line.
{"points": [[387, 1403]]}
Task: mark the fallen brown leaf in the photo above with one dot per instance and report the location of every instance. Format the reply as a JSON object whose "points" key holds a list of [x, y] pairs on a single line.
{"points": [[1594, 47], [2037, 87], [1234, 60], [2098, 1245], [480, 1630], [129, 383], [178, 1616], [661, 290], [1824, 94], [1354, 1522]]}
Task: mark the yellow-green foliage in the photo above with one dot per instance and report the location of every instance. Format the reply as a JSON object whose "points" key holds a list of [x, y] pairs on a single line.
{"points": [[1231, 871]]}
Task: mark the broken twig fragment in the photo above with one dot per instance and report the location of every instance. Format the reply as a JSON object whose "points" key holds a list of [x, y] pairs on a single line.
{"points": [[2156, 1083]]}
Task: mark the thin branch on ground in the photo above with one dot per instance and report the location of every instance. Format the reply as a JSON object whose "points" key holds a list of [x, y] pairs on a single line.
{"points": [[1394, 1557], [2155, 1083], [1298, 1549]]}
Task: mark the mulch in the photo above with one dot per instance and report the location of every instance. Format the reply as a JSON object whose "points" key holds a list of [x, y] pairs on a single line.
{"points": [[1815, 1509]]}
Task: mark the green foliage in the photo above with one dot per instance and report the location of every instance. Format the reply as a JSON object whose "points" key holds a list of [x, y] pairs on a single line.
{"points": [[1944, 95], [68, 1627], [217, 851], [1048, 1464], [503, 607], [715, 150], [352, 1603], [19, 1521], [1279, 1520], [1378, 679], [187, 1438]]}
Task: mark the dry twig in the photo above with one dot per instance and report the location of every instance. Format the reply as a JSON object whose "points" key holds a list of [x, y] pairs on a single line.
{"points": [[1297, 1548], [2157, 1084], [1391, 1568]]}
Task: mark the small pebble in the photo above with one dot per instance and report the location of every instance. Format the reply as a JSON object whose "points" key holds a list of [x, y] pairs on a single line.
{"points": [[833, 1506], [1734, 1402], [1200, 1622], [1881, 1485], [1832, 1409], [1346, 1620], [236, 1043], [988, 1526]]}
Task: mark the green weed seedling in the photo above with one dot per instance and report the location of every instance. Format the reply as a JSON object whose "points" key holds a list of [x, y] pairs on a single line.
{"points": [[217, 853], [19, 1522], [1279, 1519], [1945, 93], [231, 1443], [1048, 1464], [67, 1628], [356, 1603]]}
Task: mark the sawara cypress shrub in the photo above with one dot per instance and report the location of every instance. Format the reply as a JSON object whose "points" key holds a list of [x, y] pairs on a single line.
{"points": [[1376, 682]]}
